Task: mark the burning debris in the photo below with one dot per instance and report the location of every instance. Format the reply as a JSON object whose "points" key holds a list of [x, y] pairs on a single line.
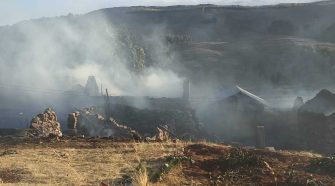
{"points": [[45, 125]]}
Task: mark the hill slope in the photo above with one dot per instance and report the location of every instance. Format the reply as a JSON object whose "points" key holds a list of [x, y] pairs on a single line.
{"points": [[272, 45]]}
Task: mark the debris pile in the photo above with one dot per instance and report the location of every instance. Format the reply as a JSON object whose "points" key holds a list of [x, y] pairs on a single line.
{"points": [[138, 124], [162, 135], [89, 123], [181, 122], [123, 131], [45, 125]]}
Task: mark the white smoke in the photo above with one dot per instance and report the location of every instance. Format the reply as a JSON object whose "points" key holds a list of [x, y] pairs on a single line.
{"points": [[55, 54]]}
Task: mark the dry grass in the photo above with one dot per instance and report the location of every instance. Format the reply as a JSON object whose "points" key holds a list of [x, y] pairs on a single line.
{"points": [[174, 178], [83, 166], [96, 161], [141, 178]]}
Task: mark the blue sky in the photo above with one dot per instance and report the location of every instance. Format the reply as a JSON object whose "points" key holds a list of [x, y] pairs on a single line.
{"points": [[12, 11]]}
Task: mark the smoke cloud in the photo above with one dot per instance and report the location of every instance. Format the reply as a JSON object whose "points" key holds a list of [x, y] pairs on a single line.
{"points": [[55, 54]]}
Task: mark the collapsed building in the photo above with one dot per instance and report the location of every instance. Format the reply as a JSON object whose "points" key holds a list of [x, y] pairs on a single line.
{"points": [[235, 116], [316, 121], [306, 126], [121, 107], [232, 117], [323, 103], [141, 114]]}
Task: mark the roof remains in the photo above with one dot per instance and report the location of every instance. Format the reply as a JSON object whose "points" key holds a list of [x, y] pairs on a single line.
{"points": [[252, 96]]}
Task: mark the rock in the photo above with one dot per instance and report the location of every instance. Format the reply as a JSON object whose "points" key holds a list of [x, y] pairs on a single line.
{"points": [[45, 125]]}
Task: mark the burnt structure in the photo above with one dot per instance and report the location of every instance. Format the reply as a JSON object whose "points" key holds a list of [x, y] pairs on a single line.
{"points": [[91, 88], [236, 116], [144, 114]]}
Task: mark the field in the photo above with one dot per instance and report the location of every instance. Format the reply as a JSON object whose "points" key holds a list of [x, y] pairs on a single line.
{"points": [[98, 161]]}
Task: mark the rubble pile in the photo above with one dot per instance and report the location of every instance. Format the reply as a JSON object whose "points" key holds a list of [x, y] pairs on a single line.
{"points": [[45, 125], [138, 124], [182, 122], [123, 131], [161, 135], [89, 123]]}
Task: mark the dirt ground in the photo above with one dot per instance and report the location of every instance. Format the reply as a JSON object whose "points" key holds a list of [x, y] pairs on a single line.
{"points": [[96, 161]]}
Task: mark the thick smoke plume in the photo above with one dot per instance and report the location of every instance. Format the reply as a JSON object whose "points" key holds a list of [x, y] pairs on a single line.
{"points": [[55, 54]]}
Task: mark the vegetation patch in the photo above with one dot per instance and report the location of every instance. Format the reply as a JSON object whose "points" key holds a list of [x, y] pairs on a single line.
{"points": [[323, 165], [234, 160], [11, 175], [168, 164], [8, 152]]}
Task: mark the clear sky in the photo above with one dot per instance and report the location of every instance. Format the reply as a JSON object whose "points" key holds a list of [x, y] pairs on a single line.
{"points": [[12, 11]]}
